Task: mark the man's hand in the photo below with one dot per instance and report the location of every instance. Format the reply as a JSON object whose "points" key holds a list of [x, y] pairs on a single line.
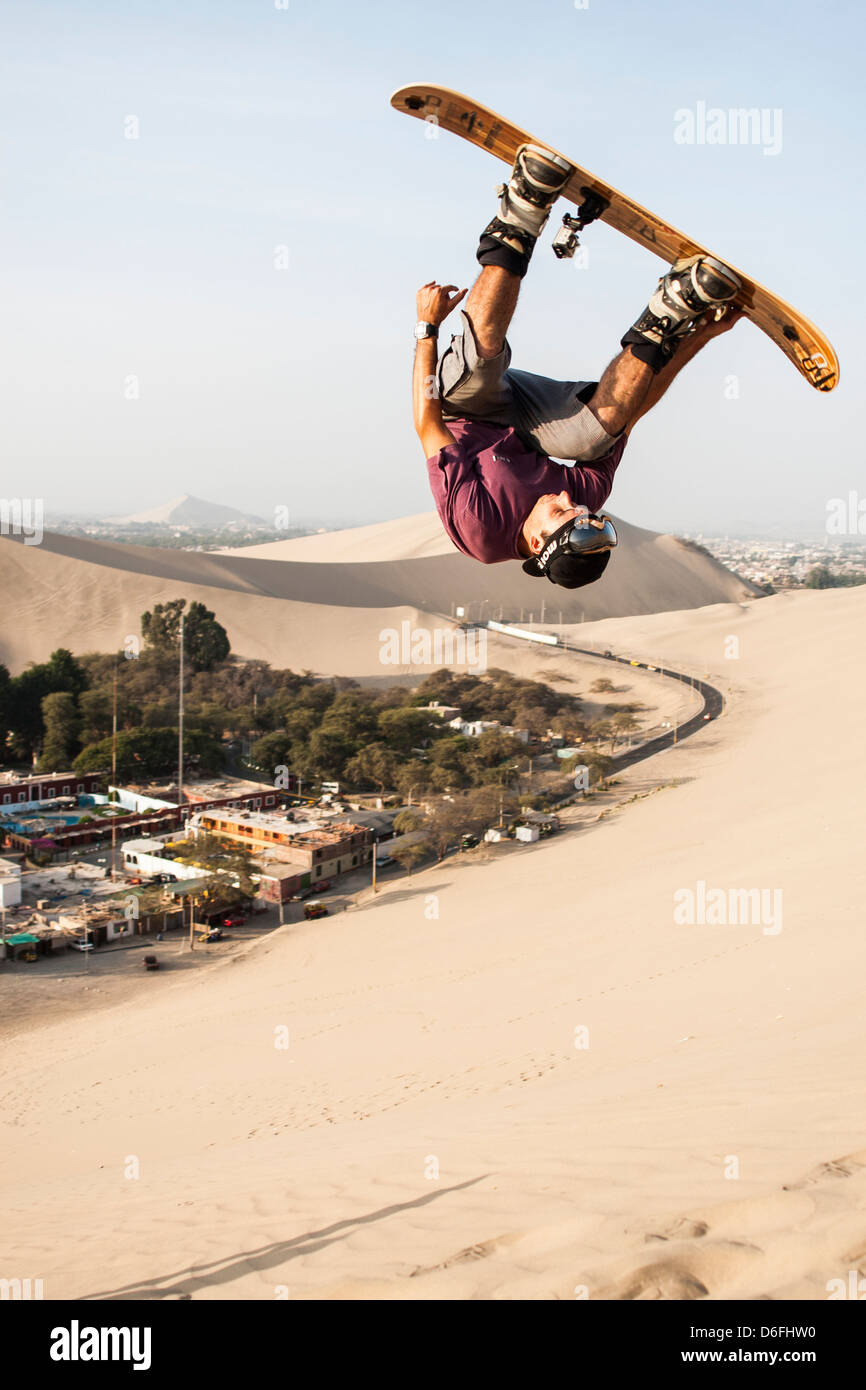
{"points": [[435, 302], [711, 327]]}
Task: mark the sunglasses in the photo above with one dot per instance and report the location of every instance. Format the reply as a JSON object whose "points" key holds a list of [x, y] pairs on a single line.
{"points": [[590, 534]]}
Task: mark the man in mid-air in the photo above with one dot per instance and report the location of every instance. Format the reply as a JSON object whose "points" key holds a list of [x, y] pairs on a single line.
{"points": [[490, 433]]}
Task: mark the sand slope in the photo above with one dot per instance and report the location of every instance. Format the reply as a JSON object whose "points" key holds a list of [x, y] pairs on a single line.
{"points": [[431, 1129], [321, 602]]}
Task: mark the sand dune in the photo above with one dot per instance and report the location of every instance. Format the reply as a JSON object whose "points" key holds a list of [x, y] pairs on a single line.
{"points": [[432, 1130], [321, 601]]}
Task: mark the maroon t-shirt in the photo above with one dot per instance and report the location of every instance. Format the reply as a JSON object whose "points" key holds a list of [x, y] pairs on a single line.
{"points": [[486, 484]]}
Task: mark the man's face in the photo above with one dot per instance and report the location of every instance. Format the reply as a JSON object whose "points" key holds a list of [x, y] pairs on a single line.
{"points": [[549, 513]]}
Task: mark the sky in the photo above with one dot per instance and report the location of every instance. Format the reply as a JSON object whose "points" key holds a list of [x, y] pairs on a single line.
{"points": [[215, 225]]}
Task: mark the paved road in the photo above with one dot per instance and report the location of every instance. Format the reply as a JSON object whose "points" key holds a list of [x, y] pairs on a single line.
{"points": [[713, 702]]}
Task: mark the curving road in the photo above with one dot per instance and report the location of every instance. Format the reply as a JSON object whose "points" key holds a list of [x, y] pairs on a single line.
{"points": [[713, 703]]}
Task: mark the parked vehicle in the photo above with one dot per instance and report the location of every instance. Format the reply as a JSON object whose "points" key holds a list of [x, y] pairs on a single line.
{"points": [[81, 945], [215, 934], [237, 921], [313, 910], [151, 963]]}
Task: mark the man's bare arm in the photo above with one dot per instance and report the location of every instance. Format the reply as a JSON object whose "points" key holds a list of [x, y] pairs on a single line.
{"points": [[434, 304]]}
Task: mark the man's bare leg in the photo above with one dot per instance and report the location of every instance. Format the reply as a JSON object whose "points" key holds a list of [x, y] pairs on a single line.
{"points": [[621, 392], [629, 388], [490, 306]]}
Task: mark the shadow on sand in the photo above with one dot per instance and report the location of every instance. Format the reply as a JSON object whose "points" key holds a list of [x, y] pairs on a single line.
{"points": [[184, 1283]]}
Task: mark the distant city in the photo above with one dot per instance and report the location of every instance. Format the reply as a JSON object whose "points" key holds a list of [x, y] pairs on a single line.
{"points": [[797, 564]]}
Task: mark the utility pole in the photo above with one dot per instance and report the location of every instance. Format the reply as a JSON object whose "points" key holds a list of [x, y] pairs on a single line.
{"points": [[191, 920], [375, 889], [114, 770], [180, 731]]}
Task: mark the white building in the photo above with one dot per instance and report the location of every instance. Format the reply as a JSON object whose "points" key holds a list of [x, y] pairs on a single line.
{"points": [[10, 883], [473, 728], [147, 857], [528, 834], [446, 712]]}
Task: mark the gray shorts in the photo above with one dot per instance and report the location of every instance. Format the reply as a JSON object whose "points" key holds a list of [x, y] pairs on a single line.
{"points": [[550, 416]]}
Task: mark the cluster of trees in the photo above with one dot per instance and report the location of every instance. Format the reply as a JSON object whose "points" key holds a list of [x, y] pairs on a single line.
{"points": [[820, 577], [389, 739], [371, 740], [61, 710]]}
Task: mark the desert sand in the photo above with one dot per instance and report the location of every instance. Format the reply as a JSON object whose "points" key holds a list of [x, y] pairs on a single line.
{"points": [[390, 1103], [321, 602]]}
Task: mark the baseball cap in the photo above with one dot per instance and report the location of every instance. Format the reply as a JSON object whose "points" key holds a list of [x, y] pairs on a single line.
{"points": [[577, 553]]}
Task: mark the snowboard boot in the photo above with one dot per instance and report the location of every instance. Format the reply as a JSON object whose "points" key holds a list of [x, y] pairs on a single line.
{"points": [[692, 286], [537, 179]]}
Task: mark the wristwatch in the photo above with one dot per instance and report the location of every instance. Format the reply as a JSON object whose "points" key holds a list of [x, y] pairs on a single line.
{"points": [[426, 330]]}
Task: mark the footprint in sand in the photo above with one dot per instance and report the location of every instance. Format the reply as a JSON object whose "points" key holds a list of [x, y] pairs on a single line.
{"points": [[660, 1282], [681, 1229], [480, 1251], [837, 1168]]}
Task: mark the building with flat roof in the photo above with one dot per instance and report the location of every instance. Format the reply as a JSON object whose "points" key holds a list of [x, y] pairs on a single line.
{"points": [[199, 791], [25, 792], [318, 851]]}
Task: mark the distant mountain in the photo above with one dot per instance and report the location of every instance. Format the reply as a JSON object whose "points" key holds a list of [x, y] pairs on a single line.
{"points": [[188, 511]]}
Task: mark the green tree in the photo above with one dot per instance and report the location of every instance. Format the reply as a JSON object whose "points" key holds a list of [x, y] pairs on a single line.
{"points": [[5, 707], [205, 641], [412, 777], [61, 722], [407, 728], [61, 672], [229, 864], [146, 752], [624, 724], [374, 764], [495, 746], [270, 752], [95, 710], [408, 820], [408, 856]]}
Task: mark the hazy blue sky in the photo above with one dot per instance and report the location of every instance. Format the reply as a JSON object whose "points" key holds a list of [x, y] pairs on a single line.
{"points": [[261, 126]]}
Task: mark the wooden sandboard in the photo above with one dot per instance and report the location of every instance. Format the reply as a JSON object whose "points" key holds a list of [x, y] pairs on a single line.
{"points": [[811, 353]]}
